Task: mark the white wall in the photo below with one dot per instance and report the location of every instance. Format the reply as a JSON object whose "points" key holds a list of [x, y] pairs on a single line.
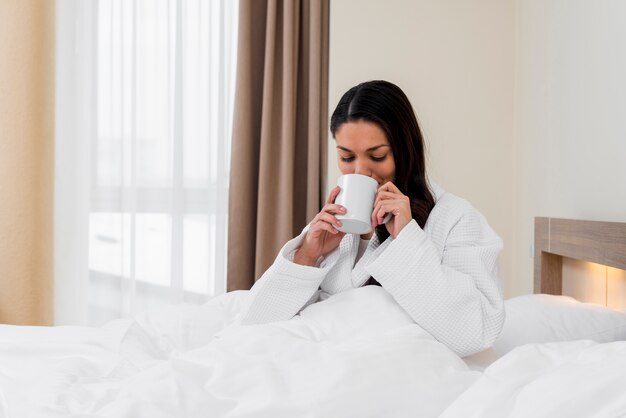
{"points": [[455, 61], [570, 115]]}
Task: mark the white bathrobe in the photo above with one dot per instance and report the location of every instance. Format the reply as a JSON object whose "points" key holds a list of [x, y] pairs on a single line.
{"points": [[444, 276]]}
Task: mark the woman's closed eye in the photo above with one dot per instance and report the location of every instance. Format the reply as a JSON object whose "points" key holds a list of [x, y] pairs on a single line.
{"points": [[377, 159]]}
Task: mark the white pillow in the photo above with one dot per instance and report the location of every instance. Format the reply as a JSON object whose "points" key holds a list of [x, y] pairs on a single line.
{"points": [[549, 318]]}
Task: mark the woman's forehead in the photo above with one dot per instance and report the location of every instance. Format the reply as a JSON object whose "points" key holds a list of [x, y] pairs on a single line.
{"points": [[360, 135]]}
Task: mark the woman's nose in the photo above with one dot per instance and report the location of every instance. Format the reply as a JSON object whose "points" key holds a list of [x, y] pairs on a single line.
{"points": [[361, 168]]}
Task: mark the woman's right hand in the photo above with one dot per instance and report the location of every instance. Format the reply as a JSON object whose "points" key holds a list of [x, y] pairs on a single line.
{"points": [[322, 238]]}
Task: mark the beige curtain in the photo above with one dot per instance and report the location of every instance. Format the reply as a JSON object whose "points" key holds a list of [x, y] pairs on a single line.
{"points": [[26, 161], [278, 160]]}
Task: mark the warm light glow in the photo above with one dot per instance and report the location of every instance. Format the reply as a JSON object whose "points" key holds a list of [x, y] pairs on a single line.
{"points": [[616, 288], [594, 283]]}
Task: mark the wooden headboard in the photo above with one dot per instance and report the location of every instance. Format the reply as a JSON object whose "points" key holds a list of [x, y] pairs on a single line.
{"points": [[596, 242]]}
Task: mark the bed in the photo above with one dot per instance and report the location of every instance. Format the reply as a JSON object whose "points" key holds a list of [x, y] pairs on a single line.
{"points": [[355, 354]]}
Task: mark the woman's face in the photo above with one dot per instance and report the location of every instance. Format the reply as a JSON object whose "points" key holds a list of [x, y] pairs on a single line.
{"points": [[363, 148]]}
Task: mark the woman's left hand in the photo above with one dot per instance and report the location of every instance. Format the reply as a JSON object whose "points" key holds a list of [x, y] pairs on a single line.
{"points": [[389, 199]]}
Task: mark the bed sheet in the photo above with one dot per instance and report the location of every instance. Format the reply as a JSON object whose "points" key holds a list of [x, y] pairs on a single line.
{"points": [[355, 354], [564, 379]]}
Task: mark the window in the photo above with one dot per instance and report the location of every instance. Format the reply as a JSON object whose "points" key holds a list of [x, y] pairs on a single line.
{"points": [[153, 92]]}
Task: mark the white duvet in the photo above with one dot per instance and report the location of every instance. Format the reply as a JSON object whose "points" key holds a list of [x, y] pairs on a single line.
{"points": [[356, 354], [566, 379]]}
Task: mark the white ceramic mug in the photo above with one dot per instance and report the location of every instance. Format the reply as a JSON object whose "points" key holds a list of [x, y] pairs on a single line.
{"points": [[357, 195]]}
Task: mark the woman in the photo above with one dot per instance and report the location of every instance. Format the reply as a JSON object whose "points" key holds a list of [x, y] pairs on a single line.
{"points": [[436, 256]]}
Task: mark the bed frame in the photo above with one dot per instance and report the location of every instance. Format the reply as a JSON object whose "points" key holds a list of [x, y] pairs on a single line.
{"points": [[597, 242]]}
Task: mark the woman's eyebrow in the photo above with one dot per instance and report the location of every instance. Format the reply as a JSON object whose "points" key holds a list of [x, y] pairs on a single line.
{"points": [[369, 149]]}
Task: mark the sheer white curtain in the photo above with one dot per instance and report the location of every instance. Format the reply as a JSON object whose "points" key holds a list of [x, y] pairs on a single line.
{"points": [[144, 111]]}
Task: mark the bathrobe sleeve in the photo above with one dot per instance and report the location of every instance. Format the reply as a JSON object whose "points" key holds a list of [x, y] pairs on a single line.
{"points": [[286, 287], [452, 292]]}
